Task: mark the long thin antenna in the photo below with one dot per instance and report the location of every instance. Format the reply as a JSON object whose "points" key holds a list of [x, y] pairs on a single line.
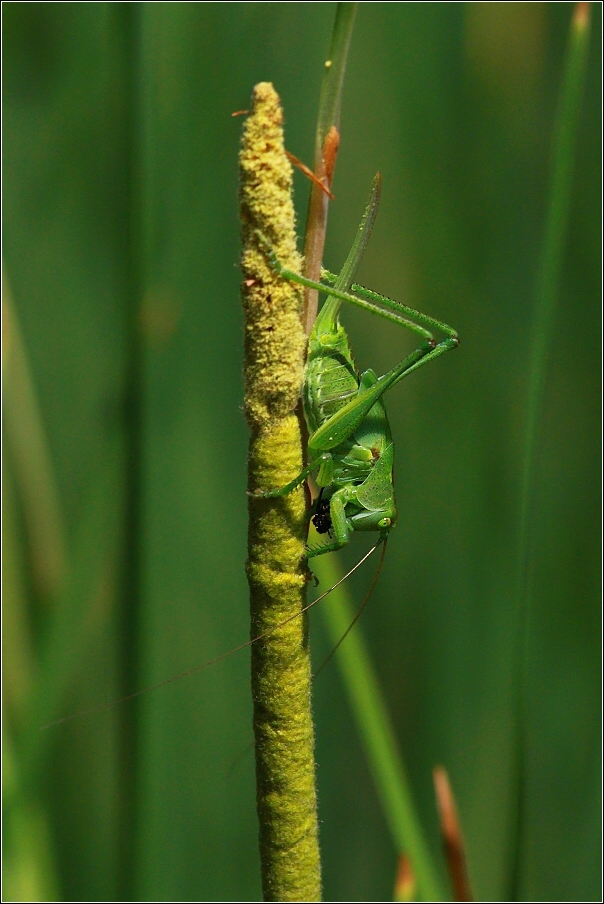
{"points": [[358, 615], [198, 668]]}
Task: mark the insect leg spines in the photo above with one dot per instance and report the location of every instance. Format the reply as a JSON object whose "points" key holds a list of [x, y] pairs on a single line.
{"points": [[405, 309]]}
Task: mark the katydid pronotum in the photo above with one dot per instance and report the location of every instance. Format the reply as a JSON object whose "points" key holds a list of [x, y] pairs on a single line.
{"points": [[350, 446]]}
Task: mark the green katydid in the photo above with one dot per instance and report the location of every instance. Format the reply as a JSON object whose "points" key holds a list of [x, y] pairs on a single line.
{"points": [[350, 446]]}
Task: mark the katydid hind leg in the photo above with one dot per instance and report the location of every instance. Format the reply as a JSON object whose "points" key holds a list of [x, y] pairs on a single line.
{"points": [[370, 301], [344, 422], [387, 308], [372, 308], [371, 296], [341, 425]]}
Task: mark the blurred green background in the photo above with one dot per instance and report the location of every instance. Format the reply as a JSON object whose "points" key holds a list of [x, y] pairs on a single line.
{"points": [[125, 446]]}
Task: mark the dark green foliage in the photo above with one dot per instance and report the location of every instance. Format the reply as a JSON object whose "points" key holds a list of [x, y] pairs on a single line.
{"points": [[121, 236]]}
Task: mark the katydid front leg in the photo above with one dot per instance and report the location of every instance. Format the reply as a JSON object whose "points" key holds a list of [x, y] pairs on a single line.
{"points": [[321, 461]]}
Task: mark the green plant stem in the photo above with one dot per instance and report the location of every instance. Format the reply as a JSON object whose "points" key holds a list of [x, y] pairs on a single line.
{"points": [[564, 141], [273, 365], [357, 671], [550, 262], [377, 733], [328, 119]]}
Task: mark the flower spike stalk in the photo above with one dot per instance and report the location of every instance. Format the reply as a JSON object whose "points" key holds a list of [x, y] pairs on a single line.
{"points": [[276, 569]]}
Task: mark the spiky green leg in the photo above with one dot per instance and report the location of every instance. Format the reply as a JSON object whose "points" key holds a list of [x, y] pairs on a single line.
{"points": [[289, 487]]}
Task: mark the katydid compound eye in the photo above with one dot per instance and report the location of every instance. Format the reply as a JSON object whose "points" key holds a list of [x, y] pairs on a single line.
{"points": [[385, 522]]}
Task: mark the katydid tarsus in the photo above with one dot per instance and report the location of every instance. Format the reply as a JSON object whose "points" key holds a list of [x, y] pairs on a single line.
{"points": [[350, 447]]}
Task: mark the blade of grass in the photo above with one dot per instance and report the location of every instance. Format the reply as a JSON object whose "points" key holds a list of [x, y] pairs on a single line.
{"points": [[28, 867], [550, 262], [404, 883], [358, 673], [28, 447], [36, 684], [377, 734], [81, 609], [564, 141], [452, 838], [18, 649], [72, 580]]}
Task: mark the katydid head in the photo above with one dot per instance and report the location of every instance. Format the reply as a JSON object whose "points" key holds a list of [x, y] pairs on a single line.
{"points": [[386, 525]]}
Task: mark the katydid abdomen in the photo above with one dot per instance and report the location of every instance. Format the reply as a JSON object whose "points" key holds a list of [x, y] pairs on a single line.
{"points": [[332, 384]]}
